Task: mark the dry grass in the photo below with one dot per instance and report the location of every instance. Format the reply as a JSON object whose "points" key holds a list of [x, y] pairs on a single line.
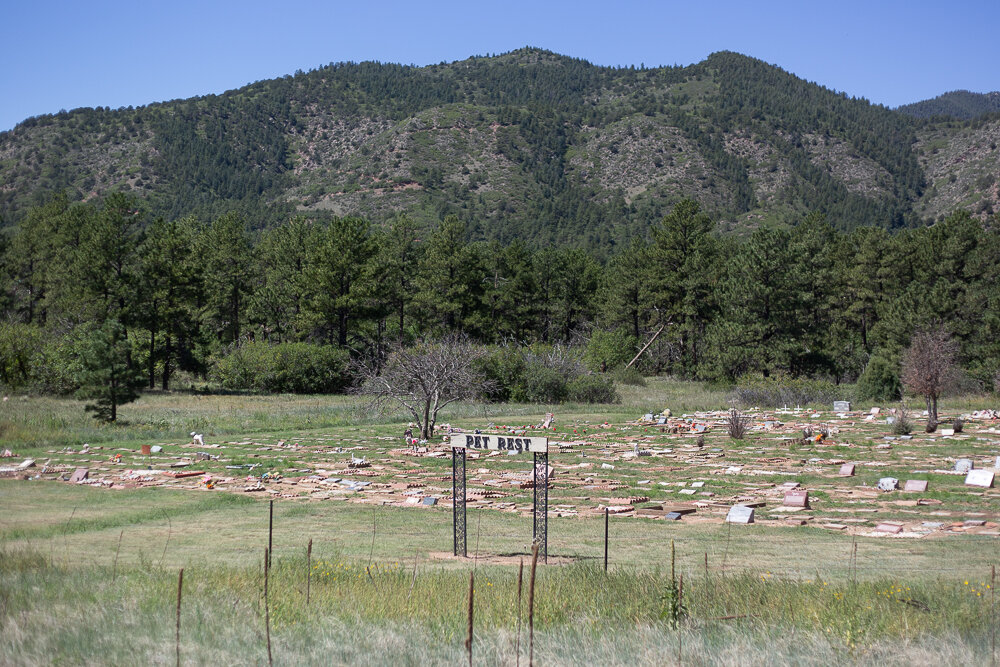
{"points": [[384, 614]]}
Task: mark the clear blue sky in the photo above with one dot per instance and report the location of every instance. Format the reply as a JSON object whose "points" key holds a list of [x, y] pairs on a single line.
{"points": [[63, 55]]}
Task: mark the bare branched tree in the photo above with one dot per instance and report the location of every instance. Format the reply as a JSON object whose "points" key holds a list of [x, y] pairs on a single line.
{"points": [[423, 379], [930, 367]]}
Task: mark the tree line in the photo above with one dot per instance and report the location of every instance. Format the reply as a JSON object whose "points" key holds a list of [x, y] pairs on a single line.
{"points": [[102, 295]]}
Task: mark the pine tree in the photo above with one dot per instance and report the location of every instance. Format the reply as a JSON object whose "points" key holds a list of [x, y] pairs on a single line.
{"points": [[337, 269], [106, 376], [229, 272]]}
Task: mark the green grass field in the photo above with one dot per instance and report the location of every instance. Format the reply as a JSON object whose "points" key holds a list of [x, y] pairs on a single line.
{"points": [[89, 576]]}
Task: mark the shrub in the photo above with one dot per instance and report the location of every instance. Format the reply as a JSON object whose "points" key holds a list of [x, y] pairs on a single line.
{"points": [[542, 374], [503, 369], [539, 384], [608, 350], [591, 389], [294, 368], [737, 424], [902, 425], [778, 391], [880, 380], [629, 376], [19, 343]]}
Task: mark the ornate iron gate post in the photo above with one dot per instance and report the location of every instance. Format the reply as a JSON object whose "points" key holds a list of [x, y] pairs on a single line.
{"points": [[458, 499], [540, 511]]}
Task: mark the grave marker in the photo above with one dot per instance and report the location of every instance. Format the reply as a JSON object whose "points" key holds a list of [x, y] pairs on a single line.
{"points": [[846, 470], [981, 477], [918, 485], [79, 475], [963, 465], [888, 484], [740, 514], [796, 498], [841, 406], [891, 528]]}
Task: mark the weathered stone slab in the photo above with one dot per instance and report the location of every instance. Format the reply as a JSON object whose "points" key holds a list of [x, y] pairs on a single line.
{"points": [[740, 514], [846, 470], [982, 477], [891, 528], [79, 475], [841, 406], [672, 516], [888, 484], [919, 485], [963, 465]]}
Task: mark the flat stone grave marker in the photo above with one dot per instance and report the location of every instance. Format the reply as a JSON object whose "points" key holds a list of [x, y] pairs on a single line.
{"points": [[841, 406], [740, 514], [947, 431], [796, 498], [430, 502], [846, 470], [672, 516], [981, 477], [888, 484], [697, 485], [889, 528], [919, 485], [79, 475], [688, 492], [963, 465]]}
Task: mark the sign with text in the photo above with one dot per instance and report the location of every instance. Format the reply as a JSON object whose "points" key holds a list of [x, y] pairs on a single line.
{"points": [[501, 443]]}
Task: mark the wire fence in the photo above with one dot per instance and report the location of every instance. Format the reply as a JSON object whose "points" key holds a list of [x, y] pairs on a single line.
{"points": [[400, 534]]}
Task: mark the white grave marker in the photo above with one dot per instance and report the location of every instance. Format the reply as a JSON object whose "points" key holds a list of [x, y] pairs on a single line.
{"points": [[740, 514]]}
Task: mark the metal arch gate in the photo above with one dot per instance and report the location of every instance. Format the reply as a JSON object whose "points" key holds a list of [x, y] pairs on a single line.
{"points": [[539, 447]]}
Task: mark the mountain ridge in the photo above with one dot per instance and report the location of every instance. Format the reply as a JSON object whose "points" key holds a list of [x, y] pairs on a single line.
{"points": [[528, 144]]}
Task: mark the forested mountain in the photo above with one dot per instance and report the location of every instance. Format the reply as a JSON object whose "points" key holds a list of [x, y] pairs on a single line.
{"points": [[528, 145], [957, 104]]}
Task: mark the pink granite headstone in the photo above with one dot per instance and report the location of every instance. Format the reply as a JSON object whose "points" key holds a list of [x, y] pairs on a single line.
{"points": [[796, 498]]}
